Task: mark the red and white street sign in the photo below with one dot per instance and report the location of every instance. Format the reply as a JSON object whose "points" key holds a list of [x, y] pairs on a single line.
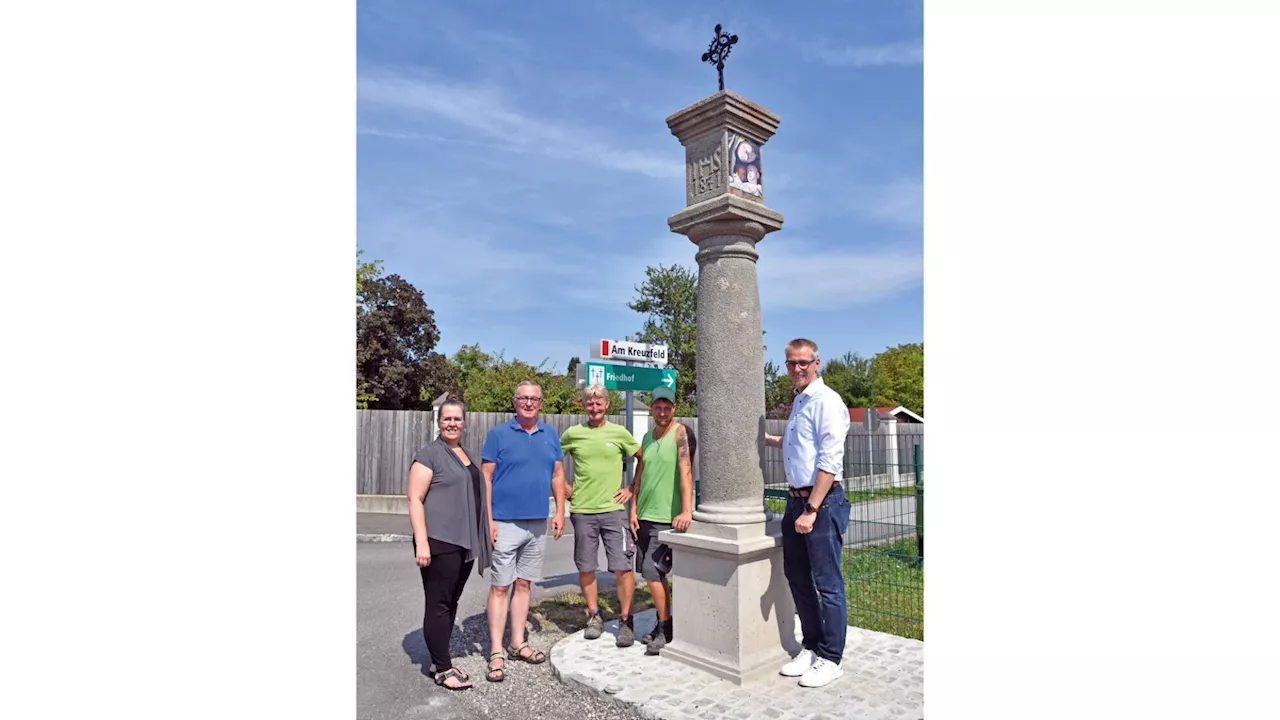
{"points": [[608, 349]]}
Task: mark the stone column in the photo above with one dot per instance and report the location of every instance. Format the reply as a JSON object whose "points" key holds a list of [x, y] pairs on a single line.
{"points": [[735, 616]]}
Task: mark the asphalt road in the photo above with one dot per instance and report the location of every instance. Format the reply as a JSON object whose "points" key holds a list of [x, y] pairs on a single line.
{"points": [[880, 520], [391, 654]]}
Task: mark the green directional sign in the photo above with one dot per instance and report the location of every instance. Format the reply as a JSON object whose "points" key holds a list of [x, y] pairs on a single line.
{"points": [[626, 377]]}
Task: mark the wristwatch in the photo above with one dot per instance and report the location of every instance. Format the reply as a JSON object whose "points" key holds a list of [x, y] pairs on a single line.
{"points": [[809, 509]]}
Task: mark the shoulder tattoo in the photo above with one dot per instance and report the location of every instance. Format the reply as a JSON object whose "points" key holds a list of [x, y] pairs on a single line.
{"points": [[682, 443]]}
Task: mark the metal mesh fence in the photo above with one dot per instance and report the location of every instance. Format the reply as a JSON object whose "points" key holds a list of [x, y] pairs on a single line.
{"points": [[883, 558]]}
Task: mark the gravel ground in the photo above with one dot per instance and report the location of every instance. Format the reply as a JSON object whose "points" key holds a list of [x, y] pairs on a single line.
{"points": [[391, 653], [529, 691]]}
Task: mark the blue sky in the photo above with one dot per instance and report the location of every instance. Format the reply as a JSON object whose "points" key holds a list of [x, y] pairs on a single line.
{"points": [[514, 162]]}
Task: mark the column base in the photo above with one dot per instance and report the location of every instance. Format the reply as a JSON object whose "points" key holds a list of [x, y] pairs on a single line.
{"points": [[727, 514], [735, 617]]}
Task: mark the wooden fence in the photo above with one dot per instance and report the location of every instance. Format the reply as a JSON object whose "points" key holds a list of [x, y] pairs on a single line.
{"points": [[386, 441]]}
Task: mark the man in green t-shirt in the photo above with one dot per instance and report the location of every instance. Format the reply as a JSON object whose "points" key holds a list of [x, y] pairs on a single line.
{"points": [[597, 508], [664, 501]]}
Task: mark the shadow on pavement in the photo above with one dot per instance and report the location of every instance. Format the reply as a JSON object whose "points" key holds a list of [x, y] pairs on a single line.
{"points": [[470, 637]]}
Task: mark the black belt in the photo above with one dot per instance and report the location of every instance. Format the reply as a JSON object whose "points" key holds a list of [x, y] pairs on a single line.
{"points": [[806, 491]]}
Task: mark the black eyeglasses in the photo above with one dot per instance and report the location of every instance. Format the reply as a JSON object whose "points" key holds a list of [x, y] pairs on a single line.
{"points": [[802, 364], [528, 400]]}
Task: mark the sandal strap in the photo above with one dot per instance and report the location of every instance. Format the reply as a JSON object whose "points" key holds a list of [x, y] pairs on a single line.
{"points": [[500, 673], [441, 677], [533, 656]]}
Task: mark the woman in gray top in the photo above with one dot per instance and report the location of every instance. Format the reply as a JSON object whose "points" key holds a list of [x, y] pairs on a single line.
{"points": [[450, 535]]}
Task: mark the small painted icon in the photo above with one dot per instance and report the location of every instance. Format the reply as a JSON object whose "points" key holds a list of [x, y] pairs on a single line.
{"points": [[746, 175]]}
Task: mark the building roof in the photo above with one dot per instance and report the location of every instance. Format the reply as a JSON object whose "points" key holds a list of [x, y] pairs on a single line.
{"points": [[858, 414]]}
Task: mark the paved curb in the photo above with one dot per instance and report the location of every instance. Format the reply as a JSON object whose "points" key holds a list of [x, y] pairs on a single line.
{"points": [[383, 537], [574, 680], [577, 682], [883, 680]]}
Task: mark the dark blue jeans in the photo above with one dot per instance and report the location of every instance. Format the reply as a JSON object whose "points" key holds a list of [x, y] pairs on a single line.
{"points": [[812, 565]]}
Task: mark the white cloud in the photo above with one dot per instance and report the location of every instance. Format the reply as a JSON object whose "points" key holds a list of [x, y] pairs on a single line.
{"points": [[799, 277], [483, 110], [900, 201], [786, 273], [430, 137], [906, 53]]}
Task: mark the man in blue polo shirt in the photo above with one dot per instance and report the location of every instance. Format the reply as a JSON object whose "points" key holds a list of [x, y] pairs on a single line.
{"points": [[522, 463]]}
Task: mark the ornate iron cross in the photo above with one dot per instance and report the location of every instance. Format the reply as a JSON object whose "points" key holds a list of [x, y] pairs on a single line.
{"points": [[718, 50]]}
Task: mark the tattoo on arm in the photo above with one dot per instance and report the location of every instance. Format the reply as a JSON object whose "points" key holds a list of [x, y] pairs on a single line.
{"points": [[682, 443]]}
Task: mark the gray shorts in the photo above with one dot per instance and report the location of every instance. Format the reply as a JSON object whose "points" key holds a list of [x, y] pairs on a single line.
{"points": [[518, 552], [609, 528], [651, 549]]}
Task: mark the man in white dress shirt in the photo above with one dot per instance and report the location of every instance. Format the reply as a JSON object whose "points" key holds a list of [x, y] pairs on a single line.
{"points": [[817, 516]]}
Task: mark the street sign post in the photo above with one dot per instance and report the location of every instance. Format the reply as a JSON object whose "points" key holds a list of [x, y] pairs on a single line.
{"points": [[625, 377]]}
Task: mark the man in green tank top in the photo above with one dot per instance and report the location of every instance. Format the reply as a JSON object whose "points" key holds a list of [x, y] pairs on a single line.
{"points": [[663, 487]]}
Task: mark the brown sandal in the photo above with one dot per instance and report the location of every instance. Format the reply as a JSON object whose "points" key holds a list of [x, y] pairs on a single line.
{"points": [[501, 671], [535, 657]]}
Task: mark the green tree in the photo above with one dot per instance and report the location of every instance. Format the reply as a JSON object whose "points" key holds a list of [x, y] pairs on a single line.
{"points": [[560, 395], [779, 392], [395, 336], [469, 360], [897, 377], [366, 271], [669, 296], [490, 388], [490, 380], [442, 377], [574, 362], [849, 375]]}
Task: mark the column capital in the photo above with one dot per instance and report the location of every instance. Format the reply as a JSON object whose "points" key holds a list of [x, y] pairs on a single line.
{"points": [[726, 110], [723, 138], [726, 215]]}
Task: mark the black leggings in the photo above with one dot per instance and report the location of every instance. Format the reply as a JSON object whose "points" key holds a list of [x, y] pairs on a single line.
{"points": [[442, 583]]}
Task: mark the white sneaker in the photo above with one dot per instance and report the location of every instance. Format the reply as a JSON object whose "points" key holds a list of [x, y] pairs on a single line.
{"points": [[822, 672], [800, 664]]}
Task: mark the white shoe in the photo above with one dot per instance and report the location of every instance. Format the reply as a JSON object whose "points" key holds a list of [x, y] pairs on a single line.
{"points": [[822, 672], [800, 664]]}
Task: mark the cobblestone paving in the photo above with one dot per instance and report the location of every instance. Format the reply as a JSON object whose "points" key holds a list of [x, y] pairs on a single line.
{"points": [[883, 678]]}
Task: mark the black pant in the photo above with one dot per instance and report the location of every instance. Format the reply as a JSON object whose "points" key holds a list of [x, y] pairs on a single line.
{"points": [[442, 583]]}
